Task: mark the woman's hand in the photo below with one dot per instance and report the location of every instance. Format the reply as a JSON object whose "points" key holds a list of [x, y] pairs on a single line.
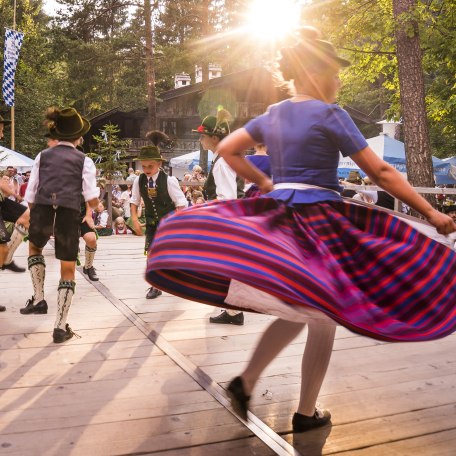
{"points": [[266, 185], [442, 222]]}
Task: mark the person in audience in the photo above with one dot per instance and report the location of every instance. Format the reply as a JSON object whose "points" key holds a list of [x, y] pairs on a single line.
{"points": [[101, 220], [120, 227]]}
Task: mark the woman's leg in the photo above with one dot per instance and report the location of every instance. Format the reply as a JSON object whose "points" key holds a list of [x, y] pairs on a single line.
{"points": [[276, 337], [320, 340]]}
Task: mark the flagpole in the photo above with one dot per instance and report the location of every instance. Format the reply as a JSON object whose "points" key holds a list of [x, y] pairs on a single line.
{"points": [[13, 142]]}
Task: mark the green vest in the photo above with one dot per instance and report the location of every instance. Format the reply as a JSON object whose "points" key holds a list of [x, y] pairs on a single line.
{"points": [[210, 188], [162, 204]]}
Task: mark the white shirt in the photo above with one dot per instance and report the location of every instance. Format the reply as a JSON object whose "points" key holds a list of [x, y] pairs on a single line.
{"points": [[125, 200], [90, 190], [225, 180], [174, 191]]}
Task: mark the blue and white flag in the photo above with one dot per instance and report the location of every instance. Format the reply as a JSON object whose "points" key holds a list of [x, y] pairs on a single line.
{"points": [[13, 43]]}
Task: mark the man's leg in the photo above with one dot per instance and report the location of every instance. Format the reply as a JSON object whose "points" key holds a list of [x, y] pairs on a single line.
{"points": [[67, 230], [153, 292], [90, 240], [20, 215], [62, 331], [37, 268]]}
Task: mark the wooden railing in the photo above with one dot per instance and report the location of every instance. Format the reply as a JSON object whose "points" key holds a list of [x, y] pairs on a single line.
{"points": [[397, 203]]}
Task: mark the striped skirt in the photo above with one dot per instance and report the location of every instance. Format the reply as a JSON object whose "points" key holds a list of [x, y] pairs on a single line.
{"points": [[362, 267]]}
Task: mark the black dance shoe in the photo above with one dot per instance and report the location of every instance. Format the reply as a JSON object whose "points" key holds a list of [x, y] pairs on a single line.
{"points": [[153, 293], [92, 273], [2, 308], [62, 335], [239, 400], [302, 423], [12, 267], [226, 319], [39, 308]]}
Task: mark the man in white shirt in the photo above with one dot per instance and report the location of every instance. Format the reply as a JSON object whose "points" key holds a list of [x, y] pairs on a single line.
{"points": [[221, 184], [161, 194], [59, 176]]}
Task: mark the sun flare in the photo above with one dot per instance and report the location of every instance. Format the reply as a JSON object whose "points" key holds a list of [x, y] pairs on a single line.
{"points": [[272, 20]]}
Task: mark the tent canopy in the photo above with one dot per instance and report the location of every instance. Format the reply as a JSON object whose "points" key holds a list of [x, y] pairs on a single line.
{"points": [[393, 152], [190, 160], [9, 157]]}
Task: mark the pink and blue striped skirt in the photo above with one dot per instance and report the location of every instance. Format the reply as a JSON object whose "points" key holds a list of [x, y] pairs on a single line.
{"points": [[364, 268]]}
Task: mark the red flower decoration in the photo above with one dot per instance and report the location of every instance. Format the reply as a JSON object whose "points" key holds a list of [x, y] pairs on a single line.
{"points": [[200, 129]]}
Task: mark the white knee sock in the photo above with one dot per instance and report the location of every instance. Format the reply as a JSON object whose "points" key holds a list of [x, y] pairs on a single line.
{"points": [[13, 244], [89, 256], [315, 362], [37, 268], [64, 298]]}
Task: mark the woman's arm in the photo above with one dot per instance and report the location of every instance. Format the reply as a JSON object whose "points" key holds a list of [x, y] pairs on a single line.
{"points": [[391, 180], [231, 149]]}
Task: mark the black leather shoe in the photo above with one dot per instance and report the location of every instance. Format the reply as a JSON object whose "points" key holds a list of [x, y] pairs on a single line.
{"points": [[226, 319], [2, 308], [302, 423], [239, 400], [39, 308], [92, 273], [153, 293], [12, 267], [62, 335]]}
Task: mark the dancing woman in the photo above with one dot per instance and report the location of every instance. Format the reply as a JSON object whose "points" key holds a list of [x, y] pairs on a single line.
{"points": [[300, 251]]}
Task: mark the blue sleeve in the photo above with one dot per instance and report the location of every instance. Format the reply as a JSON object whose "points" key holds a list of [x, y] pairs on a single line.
{"points": [[255, 128], [343, 132]]}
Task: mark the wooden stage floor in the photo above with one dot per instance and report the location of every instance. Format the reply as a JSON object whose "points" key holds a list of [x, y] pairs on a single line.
{"points": [[148, 376]]}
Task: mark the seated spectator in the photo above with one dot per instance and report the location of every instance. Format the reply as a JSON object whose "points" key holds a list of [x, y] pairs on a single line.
{"points": [[125, 200], [368, 196], [141, 218], [120, 226], [197, 195], [131, 175], [101, 221]]}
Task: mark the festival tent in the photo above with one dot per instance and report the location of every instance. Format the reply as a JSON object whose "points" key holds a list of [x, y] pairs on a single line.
{"points": [[393, 152], [185, 163], [9, 157]]}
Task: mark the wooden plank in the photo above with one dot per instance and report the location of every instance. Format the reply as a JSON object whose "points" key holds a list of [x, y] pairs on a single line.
{"points": [[242, 447], [434, 444], [135, 436]]}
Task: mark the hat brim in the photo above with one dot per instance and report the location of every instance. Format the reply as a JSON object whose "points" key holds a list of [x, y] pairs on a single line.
{"points": [[5, 122], [53, 133], [150, 159]]}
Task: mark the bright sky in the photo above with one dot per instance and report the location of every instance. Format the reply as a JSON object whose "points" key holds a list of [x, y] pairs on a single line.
{"points": [[50, 6]]}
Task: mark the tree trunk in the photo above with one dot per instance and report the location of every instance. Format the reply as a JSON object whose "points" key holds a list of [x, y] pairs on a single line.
{"points": [[411, 83], [205, 70], [150, 77]]}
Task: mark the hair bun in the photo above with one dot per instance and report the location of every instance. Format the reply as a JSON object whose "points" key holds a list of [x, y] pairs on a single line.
{"points": [[309, 33], [52, 113]]}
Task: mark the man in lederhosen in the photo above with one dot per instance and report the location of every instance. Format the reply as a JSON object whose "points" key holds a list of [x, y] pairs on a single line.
{"points": [[59, 176], [221, 184], [161, 193]]}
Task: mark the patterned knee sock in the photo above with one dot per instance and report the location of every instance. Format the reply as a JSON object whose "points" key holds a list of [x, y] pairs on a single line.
{"points": [[89, 256], [13, 244], [37, 268], [65, 296]]}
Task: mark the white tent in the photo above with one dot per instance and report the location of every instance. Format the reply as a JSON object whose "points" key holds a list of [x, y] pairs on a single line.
{"points": [[185, 163], [9, 157]]}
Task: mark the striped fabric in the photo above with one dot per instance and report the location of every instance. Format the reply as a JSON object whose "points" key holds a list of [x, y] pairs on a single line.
{"points": [[366, 269]]}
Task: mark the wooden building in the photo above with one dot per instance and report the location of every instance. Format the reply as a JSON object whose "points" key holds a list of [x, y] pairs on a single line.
{"points": [[246, 94]]}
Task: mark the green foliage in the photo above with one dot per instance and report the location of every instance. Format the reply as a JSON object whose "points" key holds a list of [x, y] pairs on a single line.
{"points": [[110, 150]]}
